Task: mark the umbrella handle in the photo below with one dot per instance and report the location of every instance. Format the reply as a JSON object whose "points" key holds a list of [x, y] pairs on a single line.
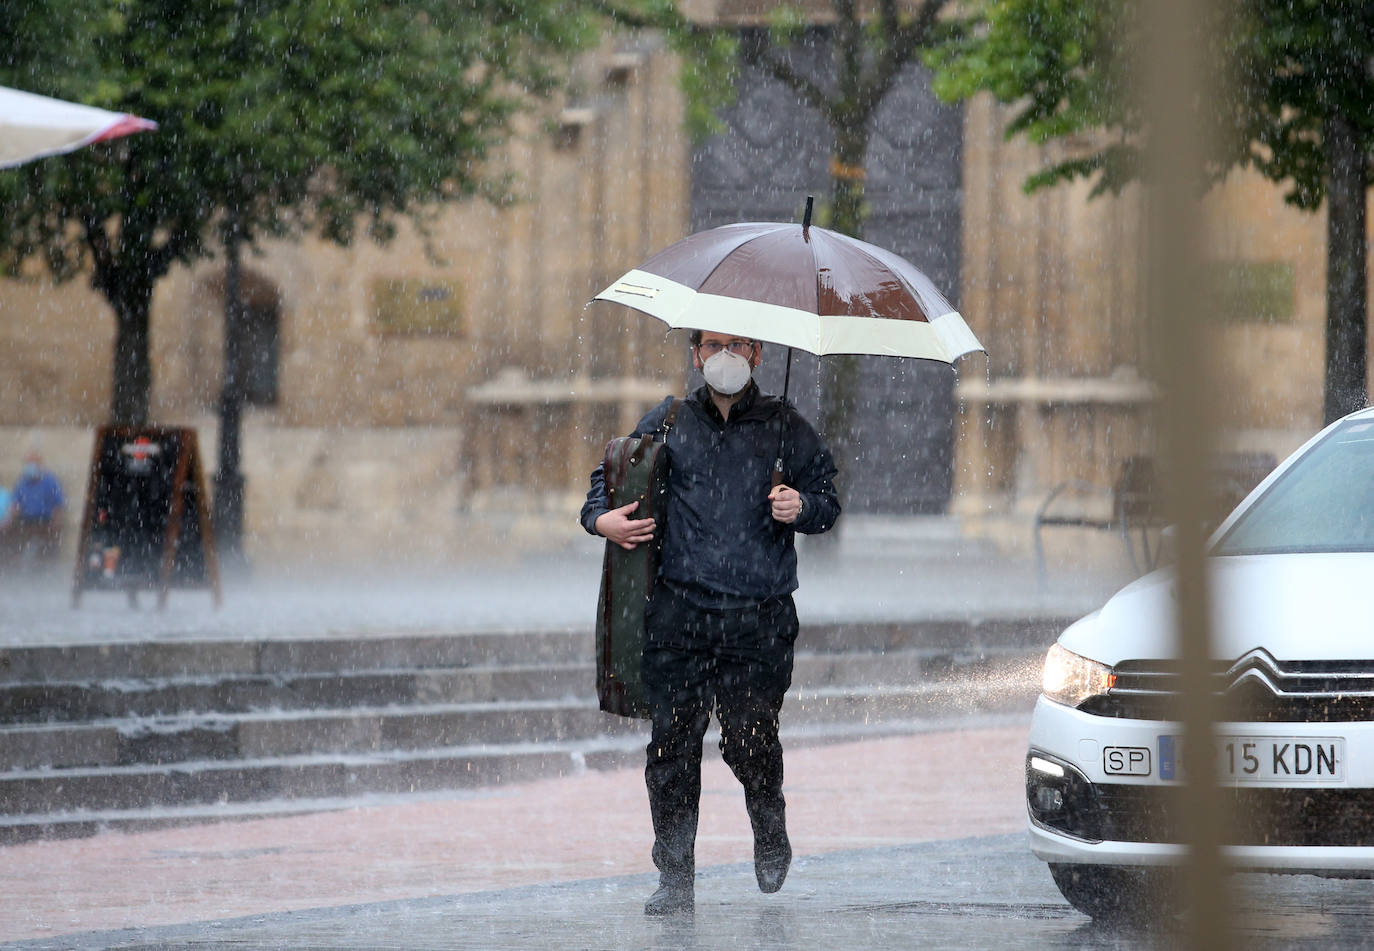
{"points": [[782, 410]]}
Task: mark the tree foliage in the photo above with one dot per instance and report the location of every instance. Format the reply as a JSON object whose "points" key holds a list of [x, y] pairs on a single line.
{"points": [[276, 117], [871, 49], [1299, 64], [709, 55], [1296, 109], [1067, 68], [870, 44]]}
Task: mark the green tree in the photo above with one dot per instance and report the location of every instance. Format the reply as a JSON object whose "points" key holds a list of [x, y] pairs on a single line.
{"points": [[277, 117], [870, 45], [1297, 110]]}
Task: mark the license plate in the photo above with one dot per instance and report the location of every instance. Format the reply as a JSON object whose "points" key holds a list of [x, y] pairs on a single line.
{"points": [[1278, 760]]}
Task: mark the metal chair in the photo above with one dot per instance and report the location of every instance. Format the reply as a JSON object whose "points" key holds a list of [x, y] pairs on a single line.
{"points": [[1133, 509]]}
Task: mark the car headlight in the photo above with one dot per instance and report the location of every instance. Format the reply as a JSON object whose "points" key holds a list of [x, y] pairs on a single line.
{"points": [[1070, 679]]}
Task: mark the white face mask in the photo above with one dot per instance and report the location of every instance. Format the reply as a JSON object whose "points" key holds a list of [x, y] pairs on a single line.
{"points": [[727, 373]]}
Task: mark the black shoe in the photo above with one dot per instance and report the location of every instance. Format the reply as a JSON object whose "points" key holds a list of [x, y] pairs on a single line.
{"points": [[671, 900], [771, 862]]}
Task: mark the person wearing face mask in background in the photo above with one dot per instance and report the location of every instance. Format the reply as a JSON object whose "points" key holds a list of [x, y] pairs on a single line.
{"points": [[34, 532], [720, 626]]}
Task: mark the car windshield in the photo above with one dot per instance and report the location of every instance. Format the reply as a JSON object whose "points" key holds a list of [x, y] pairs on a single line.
{"points": [[1324, 502]]}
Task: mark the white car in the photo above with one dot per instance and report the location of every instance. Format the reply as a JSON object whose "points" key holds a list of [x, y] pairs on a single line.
{"points": [[1292, 582]]}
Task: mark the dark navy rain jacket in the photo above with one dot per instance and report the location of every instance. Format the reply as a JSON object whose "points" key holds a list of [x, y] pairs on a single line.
{"points": [[721, 545]]}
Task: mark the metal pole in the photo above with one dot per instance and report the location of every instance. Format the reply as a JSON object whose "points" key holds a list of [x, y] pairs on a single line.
{"points": [[229, 477], [1175, 81]]}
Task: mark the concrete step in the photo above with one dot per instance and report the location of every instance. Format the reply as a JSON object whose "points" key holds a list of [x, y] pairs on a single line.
{"points": [[204, 658], [134, 734], [292, 764], [78, 701], [439, 774], [544, 703], [231, 693], [347, 730], [33, 799], [145, 660]]}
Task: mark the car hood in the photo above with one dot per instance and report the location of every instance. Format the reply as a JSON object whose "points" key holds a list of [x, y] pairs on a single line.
{"points": [[1297, 607]]}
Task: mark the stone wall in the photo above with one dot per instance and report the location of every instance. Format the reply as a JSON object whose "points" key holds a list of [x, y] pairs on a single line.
{"points": [[479, 436], [1053, 287], [317, 497]]}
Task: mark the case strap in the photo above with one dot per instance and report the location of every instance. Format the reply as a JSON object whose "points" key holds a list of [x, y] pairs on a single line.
{"points": [[671, 418], [648, 439]]}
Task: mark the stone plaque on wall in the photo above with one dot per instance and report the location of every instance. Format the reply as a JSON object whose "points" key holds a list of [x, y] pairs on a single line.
{"points": [[774, 152], [417, 307]]}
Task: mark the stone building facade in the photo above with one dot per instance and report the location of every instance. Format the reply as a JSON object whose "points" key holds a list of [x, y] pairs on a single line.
{"points": [[444, 401], [1053, 285]]}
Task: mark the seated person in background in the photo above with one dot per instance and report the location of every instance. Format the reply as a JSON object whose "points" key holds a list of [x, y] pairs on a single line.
{"points": [[35, 512]]}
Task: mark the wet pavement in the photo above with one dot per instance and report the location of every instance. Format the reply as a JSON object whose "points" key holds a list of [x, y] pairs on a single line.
{"points": [[900, 897], [511, 866], [901, 842], [906, 840], [928, 573]]}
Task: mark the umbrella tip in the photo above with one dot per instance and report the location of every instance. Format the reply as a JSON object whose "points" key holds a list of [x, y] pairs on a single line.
{"points": [[806, 217]]}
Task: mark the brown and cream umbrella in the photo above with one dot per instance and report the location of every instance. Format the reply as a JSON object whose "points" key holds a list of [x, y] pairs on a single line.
{"points": [[801, 287], [798, 286]]}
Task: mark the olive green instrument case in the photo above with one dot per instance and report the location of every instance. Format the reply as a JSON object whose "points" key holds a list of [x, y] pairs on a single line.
{"points": [[635, 469]]}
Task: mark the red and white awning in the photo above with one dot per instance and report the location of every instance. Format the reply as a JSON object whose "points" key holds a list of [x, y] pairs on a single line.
{"points": [[33, 127]]}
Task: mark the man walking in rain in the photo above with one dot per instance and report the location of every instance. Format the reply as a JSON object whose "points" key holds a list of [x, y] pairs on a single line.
{"points": [[721, 625]]}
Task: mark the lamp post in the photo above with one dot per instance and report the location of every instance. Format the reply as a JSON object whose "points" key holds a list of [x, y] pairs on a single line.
{"points": [[229, 481]]}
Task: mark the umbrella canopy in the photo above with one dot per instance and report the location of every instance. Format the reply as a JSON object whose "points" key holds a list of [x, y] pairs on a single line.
{"points": [[798, 286], [33, 126]]}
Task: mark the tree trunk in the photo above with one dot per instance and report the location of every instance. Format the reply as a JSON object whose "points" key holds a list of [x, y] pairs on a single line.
{"points": [[849, 118], [847, 179], [847, 213], [229, 478], [1347, 247], [132, 375]]}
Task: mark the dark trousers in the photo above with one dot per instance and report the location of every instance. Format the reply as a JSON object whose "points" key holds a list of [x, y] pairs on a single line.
{"points": [[739, 663]]}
